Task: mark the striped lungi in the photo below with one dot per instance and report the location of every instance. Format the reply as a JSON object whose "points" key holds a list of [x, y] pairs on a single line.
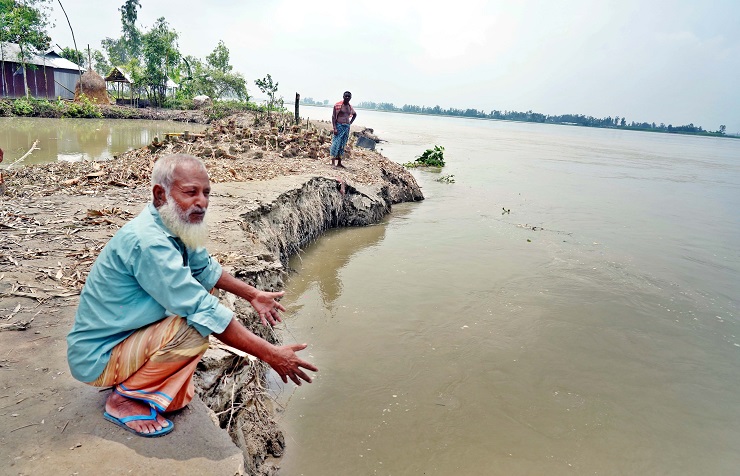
{"points": [[156, 364], [340, 140]]}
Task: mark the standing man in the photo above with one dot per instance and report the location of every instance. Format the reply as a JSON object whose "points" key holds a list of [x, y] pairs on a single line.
{"points": [[146, 310], [341, 119]]}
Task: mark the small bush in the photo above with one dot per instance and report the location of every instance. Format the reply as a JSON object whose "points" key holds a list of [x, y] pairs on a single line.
{"points": [[45, 108], [221, 109], [178, 103], [22, 107], [6, 108], [85, 108], [430, 158], [120, 112]]}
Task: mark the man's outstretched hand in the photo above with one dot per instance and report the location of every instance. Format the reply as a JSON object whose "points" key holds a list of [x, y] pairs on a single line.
{"points": [[288, 365], [262, 301], [267, 307], [282, 358]]}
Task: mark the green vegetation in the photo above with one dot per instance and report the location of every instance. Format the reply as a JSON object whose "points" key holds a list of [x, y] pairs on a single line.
{"points": [[160, 56], [88, 109], [84, 108], [129, 46], [312, 102], [6, 108], [23, 107], [213, 78], [221, 109], [430, 158], [267, 87], [45, 108], [529, 116], [74, 56], [178, 102], [152, 57]]}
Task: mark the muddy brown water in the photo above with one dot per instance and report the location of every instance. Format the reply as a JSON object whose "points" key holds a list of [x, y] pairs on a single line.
{"points": [[593, 329], [80, 139]]}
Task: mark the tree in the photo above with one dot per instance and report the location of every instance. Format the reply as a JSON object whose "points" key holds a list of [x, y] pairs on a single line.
{"points": [[268, 87], [213, 78], [223, 81], [100, 63], [219, 58], [152, 57], [191, 77], [722, 129], [74, 56], [131, 34], [115, 50], [25, 24], [121, 50], [229, 85], [160, 56]]}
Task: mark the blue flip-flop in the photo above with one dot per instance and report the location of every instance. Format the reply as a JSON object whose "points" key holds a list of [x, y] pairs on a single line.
{"points": [[152, 416]]}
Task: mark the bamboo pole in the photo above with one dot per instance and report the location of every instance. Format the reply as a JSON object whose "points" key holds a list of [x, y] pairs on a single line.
{"points": [[79, 68], [297, 100]]}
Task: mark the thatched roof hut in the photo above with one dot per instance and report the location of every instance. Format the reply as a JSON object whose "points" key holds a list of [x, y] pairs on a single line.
{"points": [[93, 86]]}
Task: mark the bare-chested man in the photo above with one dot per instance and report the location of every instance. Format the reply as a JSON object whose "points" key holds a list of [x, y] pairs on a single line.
{"points": [[341, 119]]}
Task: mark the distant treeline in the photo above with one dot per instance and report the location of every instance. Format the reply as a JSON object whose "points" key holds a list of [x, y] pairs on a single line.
{"points": [[529, 116]]}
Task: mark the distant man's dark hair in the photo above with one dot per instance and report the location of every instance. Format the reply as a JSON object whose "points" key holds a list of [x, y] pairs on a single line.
{"points": [[347, 92]]}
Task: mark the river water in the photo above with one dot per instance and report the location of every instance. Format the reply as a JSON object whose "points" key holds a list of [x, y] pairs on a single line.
{"points": [[592, 329], [79, 139]]}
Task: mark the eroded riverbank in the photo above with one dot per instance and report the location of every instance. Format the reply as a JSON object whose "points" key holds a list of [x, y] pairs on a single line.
{"points": [[274, 191]]}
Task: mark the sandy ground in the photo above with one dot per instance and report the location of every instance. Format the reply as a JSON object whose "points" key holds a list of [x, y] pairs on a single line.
{"points": [[54, 220], [50, 423]]}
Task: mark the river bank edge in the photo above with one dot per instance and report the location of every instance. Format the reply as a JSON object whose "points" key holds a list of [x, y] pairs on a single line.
{"points": [[45, 108], [268, 202]]}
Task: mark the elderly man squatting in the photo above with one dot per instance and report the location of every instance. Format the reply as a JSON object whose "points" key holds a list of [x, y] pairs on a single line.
{"points": [[146, 309]]}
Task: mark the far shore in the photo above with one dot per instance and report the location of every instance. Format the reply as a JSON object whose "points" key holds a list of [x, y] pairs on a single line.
{"points": [[618, 128]]}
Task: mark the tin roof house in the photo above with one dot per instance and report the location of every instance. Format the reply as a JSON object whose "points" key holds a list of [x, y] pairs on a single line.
{"points": [[49, 75]]}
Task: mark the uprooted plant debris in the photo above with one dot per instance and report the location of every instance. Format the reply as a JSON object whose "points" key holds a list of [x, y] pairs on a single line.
{"points": [[239, 148], [243, 147]]}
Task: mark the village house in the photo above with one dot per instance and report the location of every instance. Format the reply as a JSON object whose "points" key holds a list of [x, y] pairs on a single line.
{"points": [[49, 75]]}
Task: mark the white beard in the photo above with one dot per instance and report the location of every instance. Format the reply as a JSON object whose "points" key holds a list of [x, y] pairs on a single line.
{"points": [[193, 235]]}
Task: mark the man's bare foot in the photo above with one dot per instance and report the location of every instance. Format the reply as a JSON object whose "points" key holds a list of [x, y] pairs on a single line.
{"points": [[119, 406]]}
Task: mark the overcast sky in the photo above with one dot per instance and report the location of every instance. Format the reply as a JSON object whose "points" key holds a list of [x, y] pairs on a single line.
{"points": [[675, 62]]}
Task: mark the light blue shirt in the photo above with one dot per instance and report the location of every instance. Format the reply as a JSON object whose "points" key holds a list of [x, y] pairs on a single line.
{"points": [[143, 274]]}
